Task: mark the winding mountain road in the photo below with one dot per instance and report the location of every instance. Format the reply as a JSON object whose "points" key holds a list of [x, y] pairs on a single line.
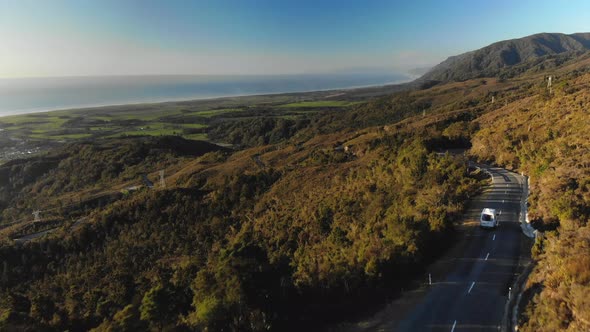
{"points": [[472, 292]]}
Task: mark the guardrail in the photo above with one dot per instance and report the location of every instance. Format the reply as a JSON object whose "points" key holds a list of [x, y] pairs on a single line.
{"points": [[511, 324], [525, 223]]}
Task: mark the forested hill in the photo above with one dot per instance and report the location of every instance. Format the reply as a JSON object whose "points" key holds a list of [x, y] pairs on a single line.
{"points": [[310, 226], [547, 136], [511, 57], [83, 171], [274, 237]]}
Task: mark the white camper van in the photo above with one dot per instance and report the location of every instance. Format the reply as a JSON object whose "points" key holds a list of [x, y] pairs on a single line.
{"points": [[489, 218]]}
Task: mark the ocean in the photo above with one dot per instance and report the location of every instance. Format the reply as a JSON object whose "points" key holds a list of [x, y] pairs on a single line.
{"points": [[27, 95]]}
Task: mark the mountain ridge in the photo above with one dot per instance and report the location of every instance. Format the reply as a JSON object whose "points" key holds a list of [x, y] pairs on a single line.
{"points": [[498, 58]]}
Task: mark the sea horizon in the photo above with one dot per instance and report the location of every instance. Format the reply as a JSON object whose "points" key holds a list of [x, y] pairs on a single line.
{"points": [[45, 94]]}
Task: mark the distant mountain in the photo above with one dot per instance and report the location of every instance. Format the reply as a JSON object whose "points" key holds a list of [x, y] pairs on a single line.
{"points": [[510, 57]]}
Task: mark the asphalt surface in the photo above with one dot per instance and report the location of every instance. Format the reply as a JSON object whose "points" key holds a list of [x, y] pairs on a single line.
{"points": [[33, 236], [473, 294], [37, 235]]}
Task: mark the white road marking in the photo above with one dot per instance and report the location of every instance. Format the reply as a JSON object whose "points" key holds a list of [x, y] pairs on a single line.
{"points": [[488, 255], [453, 328], [494, 239], [470, 288]]}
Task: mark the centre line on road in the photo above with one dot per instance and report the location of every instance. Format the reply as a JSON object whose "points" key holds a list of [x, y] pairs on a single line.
{"points": [[494, 239], [488, 255], [470, 288], [453, 328]]}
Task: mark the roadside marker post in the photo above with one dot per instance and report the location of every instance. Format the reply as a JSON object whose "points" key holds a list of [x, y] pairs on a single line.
{"points": [[429, 279], [509, 292], [162, 179]]}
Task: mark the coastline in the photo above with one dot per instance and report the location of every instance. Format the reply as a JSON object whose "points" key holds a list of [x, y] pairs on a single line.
{"points": [[336, 92]]}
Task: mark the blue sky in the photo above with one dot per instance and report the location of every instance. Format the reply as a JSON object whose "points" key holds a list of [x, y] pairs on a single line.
{"points": [[119, 37]]}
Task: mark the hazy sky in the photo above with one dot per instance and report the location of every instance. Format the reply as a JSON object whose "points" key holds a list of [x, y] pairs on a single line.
{"points": [[119, 37]]}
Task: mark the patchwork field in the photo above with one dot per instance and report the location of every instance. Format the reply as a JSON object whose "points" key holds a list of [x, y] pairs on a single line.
{"points": [[27, 134]]}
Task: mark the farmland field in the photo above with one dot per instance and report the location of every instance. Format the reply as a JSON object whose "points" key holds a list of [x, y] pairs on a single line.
{"points": [[31, 133]]}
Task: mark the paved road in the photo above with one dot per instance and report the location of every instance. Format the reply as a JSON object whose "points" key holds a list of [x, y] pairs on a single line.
{"points": [[33, 236], [470, 282], [472, 296]]}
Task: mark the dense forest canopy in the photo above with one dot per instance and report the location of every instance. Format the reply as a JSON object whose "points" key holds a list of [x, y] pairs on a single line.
{"points": [[304, 220], [241, 248]]}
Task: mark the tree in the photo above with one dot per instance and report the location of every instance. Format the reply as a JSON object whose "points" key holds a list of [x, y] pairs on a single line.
{"points": [[126, 319], [42, 308], [154, 306]]}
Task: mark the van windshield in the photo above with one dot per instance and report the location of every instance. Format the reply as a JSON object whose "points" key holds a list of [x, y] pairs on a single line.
{"points": [[486, 217]]}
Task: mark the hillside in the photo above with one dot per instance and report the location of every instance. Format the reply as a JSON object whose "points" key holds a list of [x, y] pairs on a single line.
{"points": [[81, 172], [511, 57], [240, 242], [547, 137], [313, 220]]}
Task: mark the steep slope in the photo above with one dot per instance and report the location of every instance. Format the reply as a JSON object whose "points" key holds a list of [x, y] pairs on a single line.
{"points": [[271, 237], [299, 233], [547, 136], [75, 171], [496, 59]]}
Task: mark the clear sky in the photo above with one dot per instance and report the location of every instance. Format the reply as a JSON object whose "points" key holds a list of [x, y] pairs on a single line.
{"points": [[121, 37]]}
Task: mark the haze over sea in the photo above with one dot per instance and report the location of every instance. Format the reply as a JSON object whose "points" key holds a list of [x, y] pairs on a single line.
{"points": [[26, 95]]}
